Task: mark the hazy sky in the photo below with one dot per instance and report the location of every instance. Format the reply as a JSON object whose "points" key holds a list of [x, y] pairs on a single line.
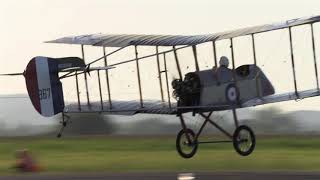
{"points": [[26, 24]]}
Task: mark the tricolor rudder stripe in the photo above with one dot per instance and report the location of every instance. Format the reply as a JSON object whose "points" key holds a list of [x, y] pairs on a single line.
{"points": [[44, 87]]}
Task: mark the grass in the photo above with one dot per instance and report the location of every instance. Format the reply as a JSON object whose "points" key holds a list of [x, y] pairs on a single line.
{"points": [[154, 154]]}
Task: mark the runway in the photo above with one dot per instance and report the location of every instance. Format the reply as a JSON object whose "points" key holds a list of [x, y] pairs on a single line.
{"points": [[177, 176]]}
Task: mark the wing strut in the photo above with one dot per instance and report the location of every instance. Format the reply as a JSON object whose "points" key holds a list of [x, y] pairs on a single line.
{"points": [[159, 73], [314, 56], [177, 62], [234, 111], [215, 59], [78, 93], [255, 63], [107, 77], [167, 82], [292, 63], [194, 49], [100, 92], [233, 62], [85, 78], [138, 75]]}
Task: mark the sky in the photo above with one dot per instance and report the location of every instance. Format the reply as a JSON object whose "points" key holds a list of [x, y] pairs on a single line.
{"points": [[25, 25]]}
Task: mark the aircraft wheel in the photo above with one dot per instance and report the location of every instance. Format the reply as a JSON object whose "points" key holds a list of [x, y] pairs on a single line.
{"points": [[184, 148], [244, 140]]}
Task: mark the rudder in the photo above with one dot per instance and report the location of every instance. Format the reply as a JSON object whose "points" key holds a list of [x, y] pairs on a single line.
{"points": [[43, 85]]}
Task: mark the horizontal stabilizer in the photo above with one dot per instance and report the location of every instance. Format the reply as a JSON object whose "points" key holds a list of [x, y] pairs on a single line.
{"points": [[101, 68], [12, 74], [69, 62], [87, 69]]}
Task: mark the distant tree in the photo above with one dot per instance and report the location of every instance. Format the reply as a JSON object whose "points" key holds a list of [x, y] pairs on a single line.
{"points": [[149, 126], [273, 121]]}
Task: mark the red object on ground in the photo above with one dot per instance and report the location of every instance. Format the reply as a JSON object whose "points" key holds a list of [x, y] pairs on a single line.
{"points": [[26, 163]]}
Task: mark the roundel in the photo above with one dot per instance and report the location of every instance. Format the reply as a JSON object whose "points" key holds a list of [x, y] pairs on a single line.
{"points": [[232, 93]]}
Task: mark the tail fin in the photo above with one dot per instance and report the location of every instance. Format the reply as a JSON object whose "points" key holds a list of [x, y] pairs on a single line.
{"points": [[43, 85]]}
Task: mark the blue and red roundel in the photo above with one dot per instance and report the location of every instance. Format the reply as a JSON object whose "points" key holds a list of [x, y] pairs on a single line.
{"points": [[44, 87]]}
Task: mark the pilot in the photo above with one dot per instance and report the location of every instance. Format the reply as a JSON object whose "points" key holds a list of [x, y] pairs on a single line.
{"points": [[224, 62], [223, 73]]}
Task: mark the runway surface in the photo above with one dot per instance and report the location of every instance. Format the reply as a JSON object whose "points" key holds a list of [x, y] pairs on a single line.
{"points": [[179, 176]]}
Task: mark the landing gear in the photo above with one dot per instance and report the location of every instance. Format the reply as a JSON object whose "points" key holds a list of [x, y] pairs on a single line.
{"points": [[186, 143], [244, 140]]}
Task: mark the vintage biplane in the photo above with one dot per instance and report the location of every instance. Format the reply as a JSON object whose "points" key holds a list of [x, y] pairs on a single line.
{"points": [[199, 91]]}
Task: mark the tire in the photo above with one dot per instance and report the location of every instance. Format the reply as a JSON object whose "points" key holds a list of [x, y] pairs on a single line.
{"points": [[244, 145], [232, 93], [182, 142]]}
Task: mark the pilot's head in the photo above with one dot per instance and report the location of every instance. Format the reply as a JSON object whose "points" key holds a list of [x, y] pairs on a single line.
{"points": [[224, 61]]}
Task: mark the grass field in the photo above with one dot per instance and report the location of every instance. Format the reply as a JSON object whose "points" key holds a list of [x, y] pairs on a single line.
{"points": [[154, 154]]}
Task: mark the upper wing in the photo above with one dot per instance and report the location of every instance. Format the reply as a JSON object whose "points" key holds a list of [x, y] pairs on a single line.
{"points": [[109, 40], [123, 40]]}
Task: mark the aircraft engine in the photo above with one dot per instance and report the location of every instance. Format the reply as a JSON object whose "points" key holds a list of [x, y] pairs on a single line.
{"points": [[187, 92]]}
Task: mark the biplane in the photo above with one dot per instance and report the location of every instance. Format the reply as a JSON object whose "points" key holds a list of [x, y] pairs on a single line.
{"points": [[199, 91]]}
